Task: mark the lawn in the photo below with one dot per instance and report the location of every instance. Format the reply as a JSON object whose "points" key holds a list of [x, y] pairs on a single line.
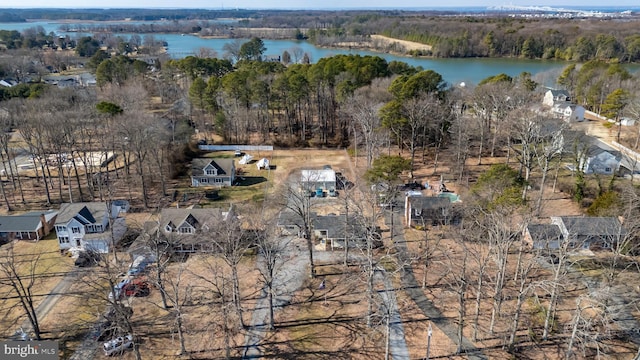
{"points": [[39, 260]]}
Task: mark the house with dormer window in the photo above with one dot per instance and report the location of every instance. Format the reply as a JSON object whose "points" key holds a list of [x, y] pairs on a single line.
{"points": [[94, 226], [212, 172], [192, 230]]}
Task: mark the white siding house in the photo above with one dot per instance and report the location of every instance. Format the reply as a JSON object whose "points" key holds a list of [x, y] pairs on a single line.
{"points": [[86, 226], [553, 96], [600, 161]]}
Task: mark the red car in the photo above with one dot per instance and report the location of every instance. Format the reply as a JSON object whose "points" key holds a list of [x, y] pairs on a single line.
{"points": [[136, 288]]}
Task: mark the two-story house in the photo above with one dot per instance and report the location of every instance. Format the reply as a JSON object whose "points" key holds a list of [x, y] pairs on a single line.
{"points": [[553, 96], [192, 230], [597, 160], [212, 172], [89, 226]]}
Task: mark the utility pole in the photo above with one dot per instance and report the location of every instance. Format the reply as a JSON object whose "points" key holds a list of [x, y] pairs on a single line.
{"points": [[429, 333]]}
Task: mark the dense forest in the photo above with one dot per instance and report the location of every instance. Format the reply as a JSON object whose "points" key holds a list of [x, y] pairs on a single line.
{"points": [[460, 35]]}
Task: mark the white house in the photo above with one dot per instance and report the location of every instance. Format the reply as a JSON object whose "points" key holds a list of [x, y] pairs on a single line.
{"points": [[212, 172], [324, 179], [626, 121], [569, 112], [553, 96], [89, 226], [597, 160]]}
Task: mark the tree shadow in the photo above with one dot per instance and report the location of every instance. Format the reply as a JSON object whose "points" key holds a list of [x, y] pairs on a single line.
{"points": [[250, 180]]}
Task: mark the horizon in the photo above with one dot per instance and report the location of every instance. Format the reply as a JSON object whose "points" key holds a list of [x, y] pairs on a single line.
{"points": [[407, 5]]}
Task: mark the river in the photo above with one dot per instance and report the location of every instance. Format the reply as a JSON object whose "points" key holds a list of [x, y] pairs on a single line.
{"points": [[454, 71]]}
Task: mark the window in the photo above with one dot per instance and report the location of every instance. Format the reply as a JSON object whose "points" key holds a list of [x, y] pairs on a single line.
{"points": [[61, 229], [607, 169], [218, 180], [75, 230], [204, 180], [64, 240], [186, 230], [167, 228], [211, 172]]}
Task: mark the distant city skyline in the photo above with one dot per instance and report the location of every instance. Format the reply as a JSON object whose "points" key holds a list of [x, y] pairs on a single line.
{"points": [[297, 4]]}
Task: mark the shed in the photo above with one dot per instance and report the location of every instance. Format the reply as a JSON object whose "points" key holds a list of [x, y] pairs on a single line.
{"points": [[324, 179]]}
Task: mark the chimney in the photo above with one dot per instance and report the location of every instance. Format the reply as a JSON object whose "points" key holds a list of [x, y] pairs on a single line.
{"points": [[45, 225]]}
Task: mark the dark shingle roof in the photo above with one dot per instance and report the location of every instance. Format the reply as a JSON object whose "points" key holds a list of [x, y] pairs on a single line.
{"points": [[195, 217], [429, 202], [88, 210], [593, 226], [224, 166], [543, 232]]}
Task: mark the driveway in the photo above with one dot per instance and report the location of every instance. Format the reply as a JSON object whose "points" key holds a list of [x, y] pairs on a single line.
{"points": [[288, 279], [417, 294]]}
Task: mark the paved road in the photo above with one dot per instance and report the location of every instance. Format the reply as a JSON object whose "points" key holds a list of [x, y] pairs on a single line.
{"points": [[52, 298], [417, 295], [397, 344]]}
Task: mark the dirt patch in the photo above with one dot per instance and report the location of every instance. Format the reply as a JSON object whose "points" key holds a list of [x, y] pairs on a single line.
{"points": [[408, 45]]}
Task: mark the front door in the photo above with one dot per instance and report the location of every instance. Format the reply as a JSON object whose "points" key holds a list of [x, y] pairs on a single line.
{"points": [[77, 242]]}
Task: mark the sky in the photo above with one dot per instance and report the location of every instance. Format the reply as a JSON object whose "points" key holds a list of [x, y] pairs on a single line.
{"points": [[297, 4]]}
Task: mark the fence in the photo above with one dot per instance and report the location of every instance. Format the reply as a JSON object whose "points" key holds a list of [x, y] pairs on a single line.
{"points": [[235, 147]]}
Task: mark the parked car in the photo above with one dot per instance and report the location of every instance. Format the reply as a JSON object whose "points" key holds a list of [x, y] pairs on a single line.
{"points": [[138, 266], [333, 193], [237, 153], [319, 192], [116, 293], [118, 345], [136, 288]]}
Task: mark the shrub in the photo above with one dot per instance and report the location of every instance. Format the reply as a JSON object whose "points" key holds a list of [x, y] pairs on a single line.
{"points": [[604, 205]]}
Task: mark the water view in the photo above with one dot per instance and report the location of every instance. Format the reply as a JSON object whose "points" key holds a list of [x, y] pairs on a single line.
{"points": [[454, 71]]}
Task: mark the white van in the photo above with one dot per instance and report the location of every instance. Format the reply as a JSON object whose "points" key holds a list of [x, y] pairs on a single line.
{"points": [[118, 345]]}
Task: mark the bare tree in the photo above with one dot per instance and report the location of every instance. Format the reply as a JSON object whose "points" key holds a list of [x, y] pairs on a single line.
{"points": [[298, 201], [270, 261], [21, 275], [232, 242], [364, 110], [177, 293]]}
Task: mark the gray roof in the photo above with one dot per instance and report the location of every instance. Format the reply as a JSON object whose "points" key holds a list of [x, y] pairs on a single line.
{"points": [[543, 232], [595, 150], [429, 202], [337, 225], [94, 212], [290, 218], [196, 217], [224, 166], [593, 226], [555, 93], [25, 222]]}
